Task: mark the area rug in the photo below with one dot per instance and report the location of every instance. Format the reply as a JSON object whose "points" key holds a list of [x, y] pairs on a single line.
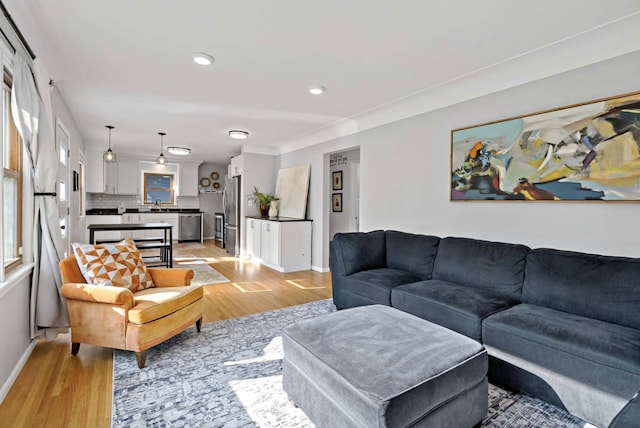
{"points": [[229, 375], [203, 273]]}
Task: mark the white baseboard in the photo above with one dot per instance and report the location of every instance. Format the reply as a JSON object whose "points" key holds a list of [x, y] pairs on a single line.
{"points": [[16, 370], [320, 269]]}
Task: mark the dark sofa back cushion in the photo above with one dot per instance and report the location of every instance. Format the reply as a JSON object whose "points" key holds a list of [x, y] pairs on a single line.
{"points": [[494, 266], [411, 253], [601, 287], [360, 251]]}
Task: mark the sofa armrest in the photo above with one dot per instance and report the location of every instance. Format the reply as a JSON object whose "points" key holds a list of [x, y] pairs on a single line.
{"points": [[171, 277], [98, 294], [356, 252]]}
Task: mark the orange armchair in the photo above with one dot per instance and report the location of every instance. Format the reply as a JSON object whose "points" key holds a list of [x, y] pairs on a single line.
{"points": [[116, 317]]}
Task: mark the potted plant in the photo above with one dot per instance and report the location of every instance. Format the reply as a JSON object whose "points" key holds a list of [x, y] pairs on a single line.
{"points": [[262, 200]]}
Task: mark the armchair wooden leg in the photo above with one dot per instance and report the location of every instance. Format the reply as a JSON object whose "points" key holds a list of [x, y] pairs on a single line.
{"points": [[199, 324], [142, 358], [75, 347]]}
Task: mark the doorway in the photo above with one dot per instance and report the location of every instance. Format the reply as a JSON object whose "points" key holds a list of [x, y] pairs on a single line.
{"points": [[344, 170]]}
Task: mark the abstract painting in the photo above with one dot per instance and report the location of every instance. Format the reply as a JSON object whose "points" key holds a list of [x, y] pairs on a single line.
{"points": [[585, 152]]}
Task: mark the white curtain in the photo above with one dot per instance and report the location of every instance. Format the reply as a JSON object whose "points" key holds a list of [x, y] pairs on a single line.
{"points": [[35, 124]]}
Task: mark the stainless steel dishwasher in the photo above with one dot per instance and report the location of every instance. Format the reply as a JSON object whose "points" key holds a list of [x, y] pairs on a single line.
{"points": [[189, 227]]}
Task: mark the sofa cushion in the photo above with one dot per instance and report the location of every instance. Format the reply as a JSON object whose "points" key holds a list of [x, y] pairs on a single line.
{"points": [[601, 342], [411, 252], [118, 265], [376, 284], [595, 286], [493, 266], [359, 251], [456, 307], [155, 303], [590, 367]]}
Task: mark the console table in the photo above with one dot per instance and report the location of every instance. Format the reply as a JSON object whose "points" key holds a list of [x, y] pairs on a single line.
{"points": [[164, 244]]}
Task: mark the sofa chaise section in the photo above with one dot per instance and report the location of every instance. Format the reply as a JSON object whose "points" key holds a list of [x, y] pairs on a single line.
{"points": [[365, 267], [471, 280], [575, 339]]}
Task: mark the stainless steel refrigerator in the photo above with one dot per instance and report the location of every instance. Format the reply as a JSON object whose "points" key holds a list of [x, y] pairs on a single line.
{"points": [[231, 203]]}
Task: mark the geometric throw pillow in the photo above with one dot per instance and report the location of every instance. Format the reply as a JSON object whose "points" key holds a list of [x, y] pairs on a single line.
{"points": [[117, 265]]}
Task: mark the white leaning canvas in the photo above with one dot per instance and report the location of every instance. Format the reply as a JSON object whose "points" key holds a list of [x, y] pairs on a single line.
{"points": [[292, 189]]}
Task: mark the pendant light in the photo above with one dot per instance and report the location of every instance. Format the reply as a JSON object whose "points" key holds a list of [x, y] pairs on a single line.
{"points": [[161, 161], [109, 155]]}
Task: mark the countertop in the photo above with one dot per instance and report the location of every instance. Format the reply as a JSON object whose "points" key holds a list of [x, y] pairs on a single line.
{"points": [[280, 219], [114, 211]]}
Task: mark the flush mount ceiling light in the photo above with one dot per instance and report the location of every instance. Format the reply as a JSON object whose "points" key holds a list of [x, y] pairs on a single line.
{"points": [[161, 161], [109, 155], [182, 151], [201, 58], [238, 135], [317, 89]]}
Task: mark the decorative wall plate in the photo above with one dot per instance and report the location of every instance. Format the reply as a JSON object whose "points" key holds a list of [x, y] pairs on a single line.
{"points": [[215, 176], [205, 182], [216, 185]]}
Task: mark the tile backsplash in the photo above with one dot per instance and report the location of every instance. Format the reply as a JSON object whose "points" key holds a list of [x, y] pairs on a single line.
{"points": [[100, 200]]}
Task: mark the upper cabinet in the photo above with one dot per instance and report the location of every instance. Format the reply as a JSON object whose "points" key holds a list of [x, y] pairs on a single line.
{"points": [[188, 178], [129, 177], [237, 164], [124, 177], [110, 177], [94, 170]]}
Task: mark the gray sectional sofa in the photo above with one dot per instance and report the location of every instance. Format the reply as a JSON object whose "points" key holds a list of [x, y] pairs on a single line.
{"points": [[559, 325]]}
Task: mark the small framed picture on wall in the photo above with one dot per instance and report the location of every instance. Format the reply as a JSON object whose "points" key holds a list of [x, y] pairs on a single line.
{"points": [[336, 202], [336, 179]]}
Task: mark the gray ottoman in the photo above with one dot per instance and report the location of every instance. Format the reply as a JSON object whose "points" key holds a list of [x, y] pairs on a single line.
{"points": [[375, 366]]}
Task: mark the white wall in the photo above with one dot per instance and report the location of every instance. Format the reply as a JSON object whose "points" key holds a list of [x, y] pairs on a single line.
{"points": [[405, 174], [14, 331], [259, 171], [416, 197]]}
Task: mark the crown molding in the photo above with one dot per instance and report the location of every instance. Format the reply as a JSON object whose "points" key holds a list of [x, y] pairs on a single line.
{"points": [[602, 43]]}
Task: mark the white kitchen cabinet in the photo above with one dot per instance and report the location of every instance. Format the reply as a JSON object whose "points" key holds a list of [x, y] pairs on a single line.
{"points": [[110, 177], [128, 177], [237, 164], [94, 169], [133, 218], [171, 218], [270, 242], [282, 245], [188, 178], [104, 219], [254, 228]]}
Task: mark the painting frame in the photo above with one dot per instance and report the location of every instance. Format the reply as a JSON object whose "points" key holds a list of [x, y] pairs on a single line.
{"points": [[336, 202], [586, 152], [336, 180]]}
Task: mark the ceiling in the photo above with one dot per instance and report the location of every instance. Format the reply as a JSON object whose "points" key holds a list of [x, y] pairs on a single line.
{"points": [[128, 63]]}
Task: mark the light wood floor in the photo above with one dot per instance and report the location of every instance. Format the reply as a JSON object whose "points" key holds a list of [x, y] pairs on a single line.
{"points": [[55, 389]]}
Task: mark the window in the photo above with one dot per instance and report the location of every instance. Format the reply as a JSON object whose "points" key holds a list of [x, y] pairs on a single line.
{"points": [[158, 188], [12, 183]]}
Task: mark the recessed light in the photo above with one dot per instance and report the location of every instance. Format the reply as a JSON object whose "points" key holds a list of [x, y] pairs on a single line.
{"points": [[201, 58], [182, 151], [317, 90], [238, 135]]}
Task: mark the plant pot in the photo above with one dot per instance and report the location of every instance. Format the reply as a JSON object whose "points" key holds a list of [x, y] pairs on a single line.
{"points": [[264, 210]]}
